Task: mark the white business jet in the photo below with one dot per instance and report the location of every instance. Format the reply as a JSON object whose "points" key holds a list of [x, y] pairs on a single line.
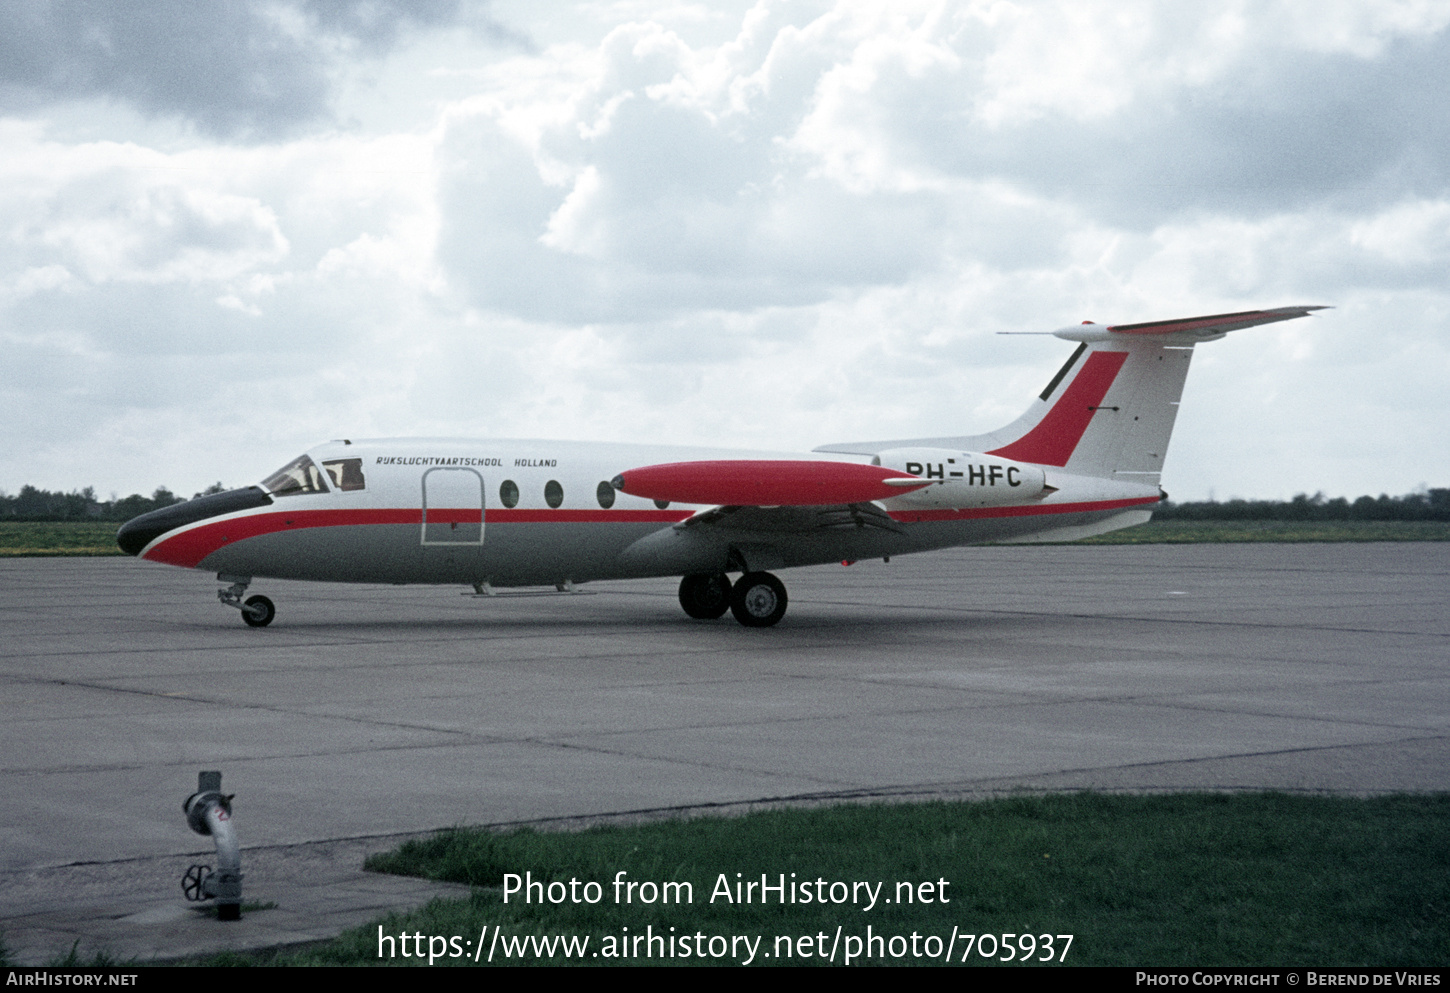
{"points": [[1085, 459]]}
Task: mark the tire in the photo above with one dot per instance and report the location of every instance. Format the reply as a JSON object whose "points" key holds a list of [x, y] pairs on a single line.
{"points": [[758, 600], [258, 611], [705, 597]]}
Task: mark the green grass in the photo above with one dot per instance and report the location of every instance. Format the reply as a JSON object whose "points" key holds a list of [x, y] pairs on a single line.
{"points": [[58, 538], [1179, 879], [99, 960], [1188, 532]]}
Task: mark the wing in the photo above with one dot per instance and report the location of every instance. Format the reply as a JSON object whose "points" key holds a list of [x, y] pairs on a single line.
{"points": [[792, 520], [767, 513]]}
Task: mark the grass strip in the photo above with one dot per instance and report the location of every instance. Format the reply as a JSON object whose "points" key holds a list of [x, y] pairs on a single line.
{"points": [[1138, 880], [44, 538], [1192, 532]]}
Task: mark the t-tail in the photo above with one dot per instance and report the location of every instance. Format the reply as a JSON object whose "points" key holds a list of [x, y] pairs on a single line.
{"points": [[1110, 409]]}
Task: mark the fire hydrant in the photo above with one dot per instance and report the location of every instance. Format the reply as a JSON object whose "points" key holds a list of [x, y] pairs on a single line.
{"points": [[209, 812]]}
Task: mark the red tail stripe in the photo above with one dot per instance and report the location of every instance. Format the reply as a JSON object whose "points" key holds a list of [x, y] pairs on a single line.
{"points": [[1055, 437]]}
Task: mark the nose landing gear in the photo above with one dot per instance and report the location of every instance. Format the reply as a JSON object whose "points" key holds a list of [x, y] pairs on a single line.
{"points": [[257, 611]]}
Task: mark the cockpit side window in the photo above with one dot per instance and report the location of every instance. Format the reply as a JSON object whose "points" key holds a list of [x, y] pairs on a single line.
{"points": [[301, 475], [346, 474]]}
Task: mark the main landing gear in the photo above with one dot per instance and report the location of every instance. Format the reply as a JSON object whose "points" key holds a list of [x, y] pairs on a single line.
{"points": [[757, 599], [257, 611]]}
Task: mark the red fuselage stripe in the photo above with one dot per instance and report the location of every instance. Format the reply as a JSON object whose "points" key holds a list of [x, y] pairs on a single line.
{"points": [[1055, 437], [189, 548]]}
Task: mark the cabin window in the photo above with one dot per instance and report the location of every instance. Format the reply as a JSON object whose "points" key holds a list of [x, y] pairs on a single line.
{"points": [[662, 504], [553, 493], [299, 476], [605, 493], [508, 493], [346, 474]]}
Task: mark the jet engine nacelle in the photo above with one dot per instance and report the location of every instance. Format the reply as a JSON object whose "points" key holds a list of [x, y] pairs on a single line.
{"points": [[964, 479]]}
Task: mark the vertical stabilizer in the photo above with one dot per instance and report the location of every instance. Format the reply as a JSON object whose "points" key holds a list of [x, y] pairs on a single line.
{"points": [[1110, 409], [1109, 413]]}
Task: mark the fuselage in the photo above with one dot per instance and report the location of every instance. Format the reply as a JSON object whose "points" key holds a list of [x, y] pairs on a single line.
{"points": [[1083, 459], [524, 512]]}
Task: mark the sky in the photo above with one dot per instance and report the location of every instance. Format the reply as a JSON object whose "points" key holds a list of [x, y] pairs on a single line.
{"points": [[232, 230]]}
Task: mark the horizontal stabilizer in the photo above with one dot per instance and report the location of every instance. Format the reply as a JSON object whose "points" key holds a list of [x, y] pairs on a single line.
{"points": [[765, 483], [1216, 324]]}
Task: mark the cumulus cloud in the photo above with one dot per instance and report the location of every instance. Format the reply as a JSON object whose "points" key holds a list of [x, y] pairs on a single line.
{"points": [[780, 227], [870, 146], [230, 67]]}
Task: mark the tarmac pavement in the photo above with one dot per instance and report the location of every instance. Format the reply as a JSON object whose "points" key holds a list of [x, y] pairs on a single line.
{"points": [[367, 714]]}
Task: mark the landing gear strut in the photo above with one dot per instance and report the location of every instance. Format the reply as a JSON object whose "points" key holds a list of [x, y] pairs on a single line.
{"points": [[257, 611], [758, 600], [705, 597]]}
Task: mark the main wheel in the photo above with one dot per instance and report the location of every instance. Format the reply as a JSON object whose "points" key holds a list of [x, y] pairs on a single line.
{"points": [[258, 611], [758, 600], [705, 597]]}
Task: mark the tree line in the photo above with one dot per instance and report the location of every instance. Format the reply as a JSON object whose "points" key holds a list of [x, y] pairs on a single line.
{"points": [[1431, 505], [32, 504]]}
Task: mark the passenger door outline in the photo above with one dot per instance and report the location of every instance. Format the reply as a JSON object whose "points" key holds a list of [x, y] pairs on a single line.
{"points": [[456, 514]]}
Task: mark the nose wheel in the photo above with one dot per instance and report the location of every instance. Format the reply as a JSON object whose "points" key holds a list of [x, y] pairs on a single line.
{"points": [[257, 611]]}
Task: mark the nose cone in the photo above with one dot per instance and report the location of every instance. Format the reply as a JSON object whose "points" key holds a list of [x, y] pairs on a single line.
{"points": [[139, 532]]}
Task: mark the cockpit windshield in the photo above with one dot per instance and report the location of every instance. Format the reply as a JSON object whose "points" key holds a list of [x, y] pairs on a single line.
{"points": [[301, 475]]}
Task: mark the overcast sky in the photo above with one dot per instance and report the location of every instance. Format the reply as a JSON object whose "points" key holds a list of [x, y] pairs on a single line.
{"points": [[230, 230]]}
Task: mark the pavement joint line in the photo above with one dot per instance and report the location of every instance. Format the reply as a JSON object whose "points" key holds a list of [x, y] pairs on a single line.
{"points": [[105, 686], [1231, 624], [688, 763], [1096, 701], [346, 644], [263, 707], [1037, 698], [475, 739], [515, 662], [478, 741]]}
